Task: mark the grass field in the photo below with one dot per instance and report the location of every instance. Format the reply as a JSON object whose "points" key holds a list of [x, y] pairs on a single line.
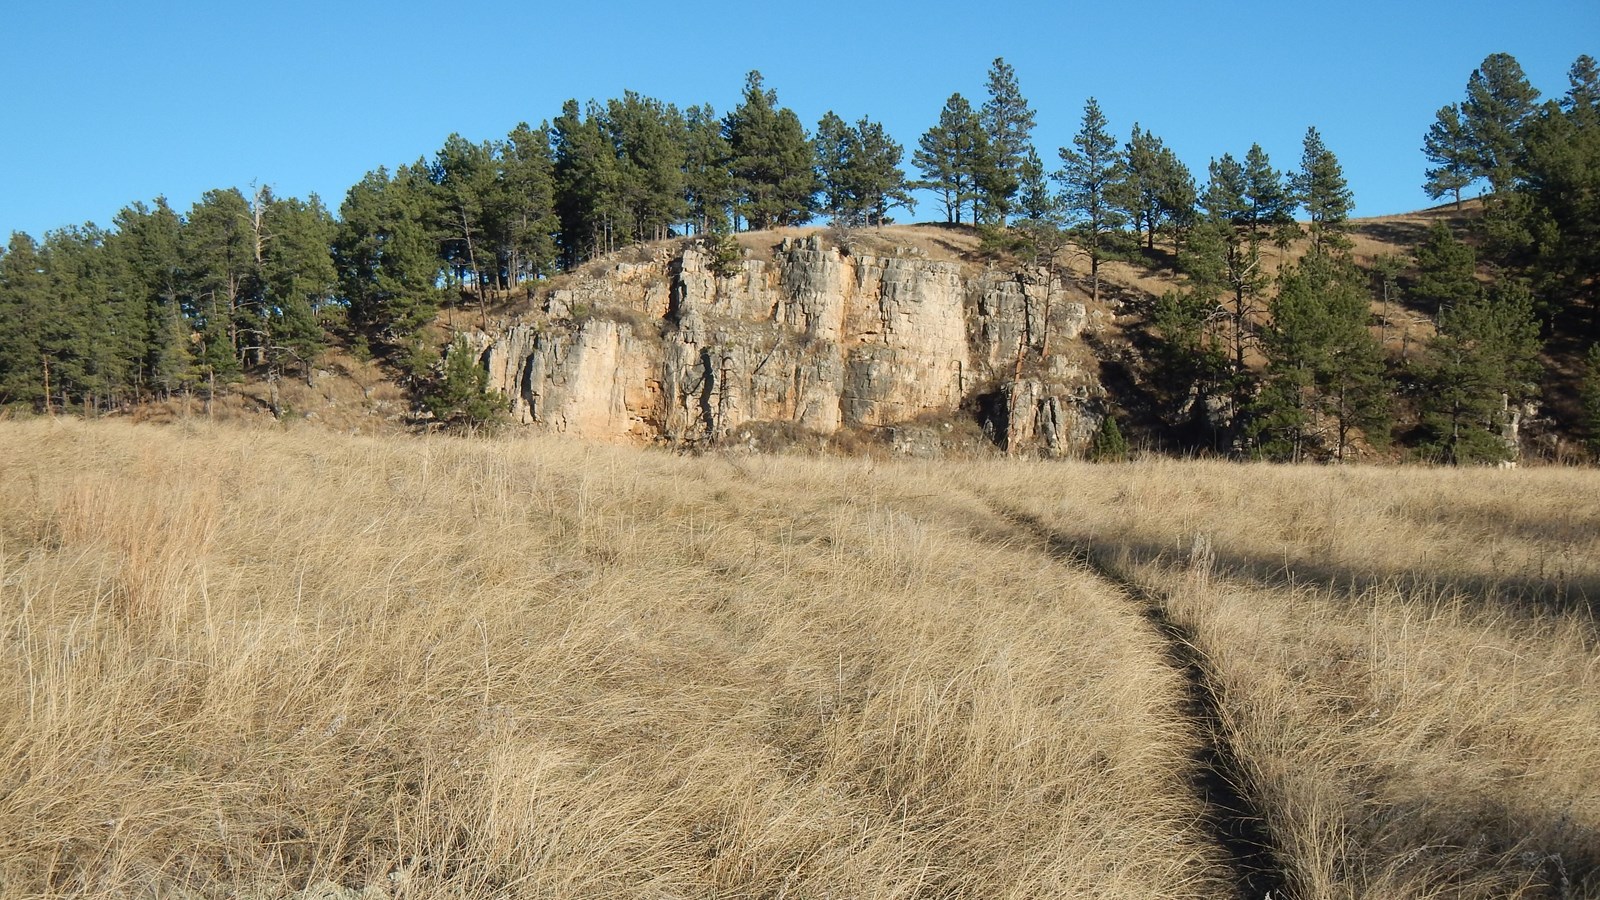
{"points": [[287, 663]]}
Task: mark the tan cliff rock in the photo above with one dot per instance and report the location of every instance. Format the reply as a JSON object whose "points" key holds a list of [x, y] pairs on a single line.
{"points": [[668, 350]]}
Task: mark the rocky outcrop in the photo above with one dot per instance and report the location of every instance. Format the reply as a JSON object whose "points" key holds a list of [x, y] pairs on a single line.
{"points": [[670, 350]]}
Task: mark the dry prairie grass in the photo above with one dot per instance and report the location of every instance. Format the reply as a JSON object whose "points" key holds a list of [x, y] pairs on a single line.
{"points": [[1407, 658], [277, 663], [293, 664]]}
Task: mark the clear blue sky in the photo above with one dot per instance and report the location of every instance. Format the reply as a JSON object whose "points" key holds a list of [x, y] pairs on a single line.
{"points": [[107, 103]]}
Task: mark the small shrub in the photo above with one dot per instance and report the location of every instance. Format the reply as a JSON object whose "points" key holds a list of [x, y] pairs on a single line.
{"points": [[1109, 444]]}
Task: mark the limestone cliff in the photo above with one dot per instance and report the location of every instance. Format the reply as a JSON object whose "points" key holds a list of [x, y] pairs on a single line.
{"points": [[666, 349]]}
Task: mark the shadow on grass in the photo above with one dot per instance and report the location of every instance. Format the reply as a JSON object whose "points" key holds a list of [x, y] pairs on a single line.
{"points": [[1449, 833]]}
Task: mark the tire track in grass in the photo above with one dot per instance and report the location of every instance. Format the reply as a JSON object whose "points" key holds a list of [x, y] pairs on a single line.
{"points": [[1232, 815]]}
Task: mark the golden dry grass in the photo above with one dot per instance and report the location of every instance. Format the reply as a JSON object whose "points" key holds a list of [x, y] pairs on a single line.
{"points": [[285, 664], [267, 662], [1408, 659]]}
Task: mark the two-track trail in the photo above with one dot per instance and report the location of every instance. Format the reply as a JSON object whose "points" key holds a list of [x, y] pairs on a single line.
{"points": [[1232, 814]]}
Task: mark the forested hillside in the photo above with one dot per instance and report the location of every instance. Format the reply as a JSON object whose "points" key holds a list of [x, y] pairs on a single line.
{"points": [[1267, 336]]}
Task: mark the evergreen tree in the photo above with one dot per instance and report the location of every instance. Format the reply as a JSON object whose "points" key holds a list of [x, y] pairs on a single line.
{"points": [[1448, 146], [524, 219], [1091, 176], [1224, 265], [386, 256], [459, 395], [1188, 365], [1556, 208], [708, 181], [1589, 397], [299, 280], [833, 149], [220, 278], [1325, 378], [1158, 189], [1499, 100], [1036, 201], [464, 175], [1447, 270], [1139, 193], [1109, 445], [772, 163], [859, 169], [1582, 100], [1320, 187], [1482, 362], [1269, 201], [650, 138], [24, 305], [81, 321], [145, 251], [950, 156], [1007, 122], [588, 199]]}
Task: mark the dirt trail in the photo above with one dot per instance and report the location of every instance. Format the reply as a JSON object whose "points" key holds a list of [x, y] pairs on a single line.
{"points": [[1218, 779]]}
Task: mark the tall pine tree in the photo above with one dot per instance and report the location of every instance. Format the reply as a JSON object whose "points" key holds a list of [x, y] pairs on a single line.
{"points": [[773, 168], [1007, 123], [951, 155], [1091, 175]]}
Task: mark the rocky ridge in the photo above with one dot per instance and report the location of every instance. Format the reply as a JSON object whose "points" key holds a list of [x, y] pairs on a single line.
{"points": [[816, 338]]}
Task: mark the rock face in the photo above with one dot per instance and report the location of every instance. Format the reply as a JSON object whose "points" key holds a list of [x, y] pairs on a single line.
{"points": [[670, 350]]}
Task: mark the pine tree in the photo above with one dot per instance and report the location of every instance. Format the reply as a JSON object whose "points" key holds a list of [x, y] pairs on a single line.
{"points": [[386, 256], [1036, 201], [772, 162], [1482, 363], [219, 281], [459, 394], [81, 323], [1556, 209], [463, 174], [859, 169], [24, 305], [1269, 201], [1325, 371], [651, 139], [524, 219], [1109, 445], [833, 146], [1158, 189], [950, 155], [1188, 365], [708, 182], [1589, 397], [1320, 187], [1499, 100], [1008, 123], [1582, 100], [299, 280], [1091, 175], [1447, 270], [1139, 193], [145, 250], [1448, 146], [1224, 264], [588, 200]]}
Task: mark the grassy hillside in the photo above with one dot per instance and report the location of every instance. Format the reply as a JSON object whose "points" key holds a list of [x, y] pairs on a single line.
{"points": [[289, 663]]}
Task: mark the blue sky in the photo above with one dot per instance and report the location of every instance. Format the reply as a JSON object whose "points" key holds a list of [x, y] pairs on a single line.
{"points": [[108, 103]]}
